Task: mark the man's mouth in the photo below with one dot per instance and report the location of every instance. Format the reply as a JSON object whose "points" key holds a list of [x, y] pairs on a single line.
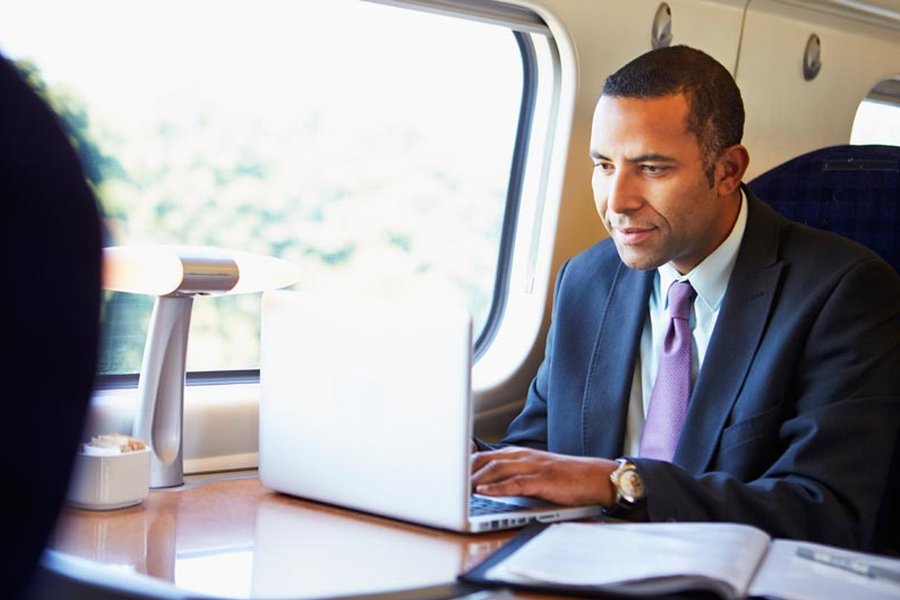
{"points": [[633, 235]]}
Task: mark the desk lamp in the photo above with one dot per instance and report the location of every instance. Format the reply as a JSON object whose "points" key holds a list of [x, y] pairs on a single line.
{"points": [[174, 275]]}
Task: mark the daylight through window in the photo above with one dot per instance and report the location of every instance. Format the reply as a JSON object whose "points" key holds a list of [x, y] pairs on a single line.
{"points": [[369, 144]]}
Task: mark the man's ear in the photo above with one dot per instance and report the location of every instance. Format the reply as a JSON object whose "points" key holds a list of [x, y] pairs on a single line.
{"points": [[730, 169]]}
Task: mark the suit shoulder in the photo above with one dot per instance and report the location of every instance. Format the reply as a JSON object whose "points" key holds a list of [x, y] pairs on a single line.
{"points": [[803, 243], [589, 276], [810, 250], [601, 256]]}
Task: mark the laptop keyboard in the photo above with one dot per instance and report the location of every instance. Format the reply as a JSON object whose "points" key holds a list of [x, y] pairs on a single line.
{"points": [[479, 505]]}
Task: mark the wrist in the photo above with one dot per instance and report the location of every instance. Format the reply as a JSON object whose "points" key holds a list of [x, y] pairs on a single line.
{"points": [[629, 494]]}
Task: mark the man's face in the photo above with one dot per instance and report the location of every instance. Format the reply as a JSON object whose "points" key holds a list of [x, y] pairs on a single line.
{"points": [[650, 184]]}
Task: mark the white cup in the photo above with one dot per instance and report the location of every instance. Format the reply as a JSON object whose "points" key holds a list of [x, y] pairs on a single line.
{"points": [[109, 481]]}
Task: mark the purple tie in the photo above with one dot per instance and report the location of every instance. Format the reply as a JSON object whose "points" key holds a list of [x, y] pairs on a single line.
{"points": [[672, 390]]}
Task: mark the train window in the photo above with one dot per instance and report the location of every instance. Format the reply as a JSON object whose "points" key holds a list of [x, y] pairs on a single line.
{"points": [[374, 146], [878, 116]]}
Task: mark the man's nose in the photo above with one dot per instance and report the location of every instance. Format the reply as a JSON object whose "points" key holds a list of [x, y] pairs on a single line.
{"points": [[622, 193]]}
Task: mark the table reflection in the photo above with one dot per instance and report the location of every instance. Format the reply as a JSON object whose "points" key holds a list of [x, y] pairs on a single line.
{"points": [[118, 538], [234, 538]]}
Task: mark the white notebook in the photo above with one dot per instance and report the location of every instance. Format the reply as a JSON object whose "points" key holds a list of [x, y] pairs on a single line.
{"points": [[731, 561]]}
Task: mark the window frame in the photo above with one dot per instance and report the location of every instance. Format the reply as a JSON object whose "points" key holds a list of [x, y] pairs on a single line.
{"points": [[514, 191]]}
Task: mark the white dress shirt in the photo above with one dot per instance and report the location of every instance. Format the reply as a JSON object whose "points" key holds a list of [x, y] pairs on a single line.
{"points": [[710, 280]]}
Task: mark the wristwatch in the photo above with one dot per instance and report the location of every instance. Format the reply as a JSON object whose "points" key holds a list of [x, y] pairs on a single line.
{"points": [[629, 490]]}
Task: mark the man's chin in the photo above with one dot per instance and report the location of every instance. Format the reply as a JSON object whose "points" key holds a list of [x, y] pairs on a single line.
{"points": [[639, 261]]}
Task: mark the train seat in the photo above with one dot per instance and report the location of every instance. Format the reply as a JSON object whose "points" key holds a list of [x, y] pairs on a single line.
{"points": [[850, 190]]}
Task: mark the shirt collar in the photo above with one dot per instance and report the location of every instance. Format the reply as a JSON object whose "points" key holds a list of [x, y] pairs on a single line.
{"points": [[710, 277]]}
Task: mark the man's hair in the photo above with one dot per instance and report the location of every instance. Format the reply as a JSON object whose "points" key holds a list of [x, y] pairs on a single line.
{"points": [[716, 110]]}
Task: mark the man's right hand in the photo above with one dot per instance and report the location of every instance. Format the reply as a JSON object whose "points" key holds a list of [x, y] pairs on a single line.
{"points": [[559, 478]]}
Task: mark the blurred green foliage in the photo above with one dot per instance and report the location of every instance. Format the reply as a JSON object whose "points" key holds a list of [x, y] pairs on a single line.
{"points": [[364, 213]]}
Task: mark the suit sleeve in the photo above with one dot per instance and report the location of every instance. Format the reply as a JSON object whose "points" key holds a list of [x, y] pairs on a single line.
{"points": [[837, 428]]}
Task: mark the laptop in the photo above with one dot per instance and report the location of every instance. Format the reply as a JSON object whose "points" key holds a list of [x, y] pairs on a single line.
{"points": [[368, 406]]}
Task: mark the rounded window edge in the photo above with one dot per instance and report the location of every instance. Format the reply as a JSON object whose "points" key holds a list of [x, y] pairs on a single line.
{"points": [[506, 366], [513, 195], [877, 118]]}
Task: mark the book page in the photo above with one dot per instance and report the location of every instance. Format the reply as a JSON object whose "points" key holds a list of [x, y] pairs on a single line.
{"points": [[786, 575], [597, 554]]}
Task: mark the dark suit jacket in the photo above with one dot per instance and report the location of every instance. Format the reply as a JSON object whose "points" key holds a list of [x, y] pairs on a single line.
{"points": [[795, 413]]}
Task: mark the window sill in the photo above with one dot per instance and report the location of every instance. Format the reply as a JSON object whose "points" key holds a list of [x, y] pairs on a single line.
{"points": [[221, 424]]}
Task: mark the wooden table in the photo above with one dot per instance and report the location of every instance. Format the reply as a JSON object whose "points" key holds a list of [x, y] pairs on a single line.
{"points": [[231, 537]]}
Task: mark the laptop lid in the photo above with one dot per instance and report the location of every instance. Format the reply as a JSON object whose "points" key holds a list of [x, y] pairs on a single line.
{"points": [[368, 405]]}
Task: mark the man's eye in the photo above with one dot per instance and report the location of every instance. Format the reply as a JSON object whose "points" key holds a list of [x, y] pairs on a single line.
{"points": [[652, 169], [605, 167]]}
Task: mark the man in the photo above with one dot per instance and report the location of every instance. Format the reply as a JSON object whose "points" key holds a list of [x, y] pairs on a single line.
{"points": [[778, 399]]}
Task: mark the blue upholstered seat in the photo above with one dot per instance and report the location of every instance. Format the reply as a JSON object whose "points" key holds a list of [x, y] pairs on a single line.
{"points": [[850, 190]]}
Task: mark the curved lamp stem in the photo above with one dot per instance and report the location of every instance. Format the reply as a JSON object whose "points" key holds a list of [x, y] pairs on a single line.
{"points": [[160, 415]]}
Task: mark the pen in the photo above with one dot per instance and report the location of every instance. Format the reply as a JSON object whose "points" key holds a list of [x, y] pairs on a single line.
{"points": [[849, 564]]}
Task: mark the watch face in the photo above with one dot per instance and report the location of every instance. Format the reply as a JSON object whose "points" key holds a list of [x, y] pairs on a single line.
{"points": [[631, 486]]}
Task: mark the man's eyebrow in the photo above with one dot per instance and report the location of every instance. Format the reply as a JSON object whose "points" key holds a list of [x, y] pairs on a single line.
{"points": [[652, 157], [649, 157]]}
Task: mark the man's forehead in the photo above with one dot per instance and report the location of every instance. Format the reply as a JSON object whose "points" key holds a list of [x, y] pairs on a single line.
{"points": [[637, 122], [674, 105]]}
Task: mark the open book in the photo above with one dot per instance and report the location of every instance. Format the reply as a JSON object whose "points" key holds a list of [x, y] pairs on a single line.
{"points": [[651, 559]]}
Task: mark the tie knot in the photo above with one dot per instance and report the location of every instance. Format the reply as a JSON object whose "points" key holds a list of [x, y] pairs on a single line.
{"points": [[681, 295]]}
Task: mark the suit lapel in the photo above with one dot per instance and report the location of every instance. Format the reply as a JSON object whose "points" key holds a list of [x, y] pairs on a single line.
{"points": [[609, 377], [739, 329]]}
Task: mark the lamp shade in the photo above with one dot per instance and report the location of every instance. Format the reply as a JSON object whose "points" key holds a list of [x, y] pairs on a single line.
{"points": [[164, 270]]}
